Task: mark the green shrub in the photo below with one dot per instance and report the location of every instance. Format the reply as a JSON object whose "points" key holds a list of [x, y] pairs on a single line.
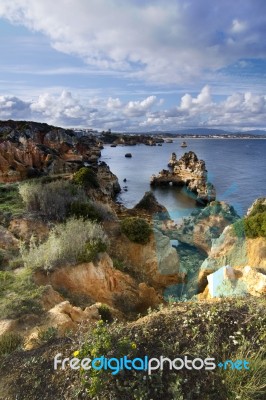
{"points": [[9, 342], [46, 335], [105, 313], [86, 178], [136, 229], [239, 228], [75, 241], [53, 199], [84, 210], [255, 225]]}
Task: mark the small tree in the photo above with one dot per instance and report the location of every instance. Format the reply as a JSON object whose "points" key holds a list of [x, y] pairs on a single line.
{"points": [[136, 229]]}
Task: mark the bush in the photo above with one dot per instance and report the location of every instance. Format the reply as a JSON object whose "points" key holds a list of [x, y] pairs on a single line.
{"points": [[46, 335], [75, 241], [86, 178], [239, 228], [52, 199], [84, 210], [255, 225], [136, 229], [9, 342], [105, 313]]}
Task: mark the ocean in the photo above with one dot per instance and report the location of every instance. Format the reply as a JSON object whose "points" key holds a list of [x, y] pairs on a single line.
{"points": [[237, 168]]}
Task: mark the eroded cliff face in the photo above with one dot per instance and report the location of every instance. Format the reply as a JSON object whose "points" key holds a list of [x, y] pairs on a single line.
{"points": [[29, 149], [203, 225], [100, 281], [156, 263], [237, 252]]}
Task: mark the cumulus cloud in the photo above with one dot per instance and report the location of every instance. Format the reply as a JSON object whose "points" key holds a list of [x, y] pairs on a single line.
{"points": [[239, 110], [165, 42], [13, 107]]}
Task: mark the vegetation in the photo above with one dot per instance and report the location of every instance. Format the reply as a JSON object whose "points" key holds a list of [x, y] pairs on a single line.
{"points": [[53, 199], [105, 313], [9, 342], [226, 330], [18, 294], [254, 225], [136, 229], [255, 222], [86, 178], [68, 244], [10, 200]]}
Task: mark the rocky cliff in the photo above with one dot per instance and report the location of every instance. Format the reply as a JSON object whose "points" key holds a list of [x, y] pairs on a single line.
{"points": [[190, 172], [29, 149]]}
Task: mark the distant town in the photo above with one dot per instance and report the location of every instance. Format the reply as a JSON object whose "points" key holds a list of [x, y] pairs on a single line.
{"points": [[197, 133]]}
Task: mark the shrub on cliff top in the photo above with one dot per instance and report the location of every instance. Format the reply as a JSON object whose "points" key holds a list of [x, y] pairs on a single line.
{"points": [[255, 225], [86, 178], [68, 244], [136, 229], [52, 199]]}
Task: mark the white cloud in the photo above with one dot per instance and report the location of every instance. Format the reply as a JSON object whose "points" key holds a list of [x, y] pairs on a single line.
{"points": [[239, 110], [163, 42], [238, 26], [139, 108]]}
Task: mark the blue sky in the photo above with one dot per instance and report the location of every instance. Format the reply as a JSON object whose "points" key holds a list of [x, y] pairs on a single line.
{"points": [[134, 65]]}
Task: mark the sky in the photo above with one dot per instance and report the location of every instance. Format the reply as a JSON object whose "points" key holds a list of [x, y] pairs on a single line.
{"points": [[134, 65]]}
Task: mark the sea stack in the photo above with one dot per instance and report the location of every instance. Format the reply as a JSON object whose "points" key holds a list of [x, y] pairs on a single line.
{"points": [[188, 171]]}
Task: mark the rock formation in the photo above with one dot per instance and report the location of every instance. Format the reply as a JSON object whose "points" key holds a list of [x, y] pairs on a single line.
{"points": [[149, 204], [190, 172], [29, 149], [203, 225], [232, 282], [100, 282]]}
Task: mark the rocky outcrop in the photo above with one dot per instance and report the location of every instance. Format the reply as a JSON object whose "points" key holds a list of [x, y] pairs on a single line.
{"points": [[156, 263], [150, 205], [100, 282], [29, 149], [232, 282], [203, 225], [190, 172], [24, 228], [233, 248], [108, 182]]}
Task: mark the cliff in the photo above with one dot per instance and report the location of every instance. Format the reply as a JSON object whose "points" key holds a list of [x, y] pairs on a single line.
{"points": [[190, 172], [29, 149]]}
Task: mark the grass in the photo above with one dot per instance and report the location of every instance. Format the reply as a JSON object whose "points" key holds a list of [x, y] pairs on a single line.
{"points": [[10, 200], [9, 342], [18, 294], [227, 329]]}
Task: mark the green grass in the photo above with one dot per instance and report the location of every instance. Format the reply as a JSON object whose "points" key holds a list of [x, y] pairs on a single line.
{"points": [[10, 200], [18, 294]]}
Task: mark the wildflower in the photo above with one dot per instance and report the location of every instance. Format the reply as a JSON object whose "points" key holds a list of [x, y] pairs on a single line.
{"points": [[133, 345], [76, 353]]}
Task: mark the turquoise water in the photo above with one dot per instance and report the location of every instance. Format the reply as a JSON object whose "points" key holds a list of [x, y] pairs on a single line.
{"points": [[237, 168]]}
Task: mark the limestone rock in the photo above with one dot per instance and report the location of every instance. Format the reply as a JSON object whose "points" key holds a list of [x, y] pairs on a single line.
{"points": [[7, 325], [24, 228], [230, 282], [190, 172], [150, 205], [204, 225], [99, 281], [29, 149]]}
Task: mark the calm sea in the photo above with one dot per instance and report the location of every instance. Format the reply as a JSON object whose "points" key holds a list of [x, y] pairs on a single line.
{"points": [[236, 167]]}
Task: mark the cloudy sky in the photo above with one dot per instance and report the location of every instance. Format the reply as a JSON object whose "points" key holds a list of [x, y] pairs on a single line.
{"points": [[134, 65]]}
